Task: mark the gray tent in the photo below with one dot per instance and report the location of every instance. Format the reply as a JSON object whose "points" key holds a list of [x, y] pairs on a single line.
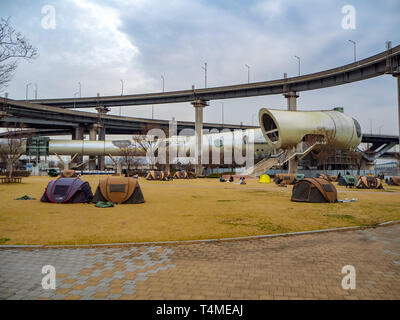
{"points": [[67, 190]]}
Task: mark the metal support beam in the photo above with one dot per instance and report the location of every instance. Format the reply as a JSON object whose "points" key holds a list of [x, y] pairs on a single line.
{"points": [[198, 106], [65, 164], [293, 164], [77, 134], [117, 165]]}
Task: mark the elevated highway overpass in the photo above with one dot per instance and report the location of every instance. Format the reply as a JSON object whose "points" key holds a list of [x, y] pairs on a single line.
{"points": [[55, 121], [387, 62]]}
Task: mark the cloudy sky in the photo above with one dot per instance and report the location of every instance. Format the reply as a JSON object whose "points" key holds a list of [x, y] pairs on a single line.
{"points": [[98, 43]]}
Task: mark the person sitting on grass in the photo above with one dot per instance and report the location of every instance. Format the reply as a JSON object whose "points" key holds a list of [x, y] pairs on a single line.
{"points": [[231, 179], [221, 179], [241, 180]]}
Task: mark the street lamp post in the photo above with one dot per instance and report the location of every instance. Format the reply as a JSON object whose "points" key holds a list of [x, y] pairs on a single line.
{"points": [[298, 58], [36, 91], [122, 87], [80, 90], [205, 74], [163, 83], [248, 73], [222, 104], [355, 49], [75, 94], [26, 90], [122, 93]]}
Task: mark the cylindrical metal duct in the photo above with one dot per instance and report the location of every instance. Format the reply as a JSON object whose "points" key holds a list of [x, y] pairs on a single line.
{"points": [[285, 129], [182, 144], [92, 148]]}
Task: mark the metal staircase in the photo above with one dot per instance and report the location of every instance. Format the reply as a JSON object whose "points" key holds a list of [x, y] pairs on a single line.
{"points": [[300, 151]]}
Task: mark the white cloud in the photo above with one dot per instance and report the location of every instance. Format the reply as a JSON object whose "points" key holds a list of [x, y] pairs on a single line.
{"points": [[98, 26], [270, 8]]}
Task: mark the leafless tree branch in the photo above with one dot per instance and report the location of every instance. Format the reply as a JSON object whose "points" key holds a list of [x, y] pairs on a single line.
{"points": [[13, 47]]}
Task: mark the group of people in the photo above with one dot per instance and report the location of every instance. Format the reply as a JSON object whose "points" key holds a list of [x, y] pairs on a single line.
{"points": [[221, 179], [231, 179]]}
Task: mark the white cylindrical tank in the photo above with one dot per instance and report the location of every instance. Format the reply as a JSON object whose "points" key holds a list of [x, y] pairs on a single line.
{"points": [[285, 129]]}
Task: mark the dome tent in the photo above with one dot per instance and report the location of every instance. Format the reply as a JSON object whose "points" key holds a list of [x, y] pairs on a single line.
{"points": [[347, 180], [283, 179], [264, 178], [157, 175], [118, 190], [68, 174], [182, 174], [324, 176], [368, 182], [394, 181], [316, 190], [67, 190]]}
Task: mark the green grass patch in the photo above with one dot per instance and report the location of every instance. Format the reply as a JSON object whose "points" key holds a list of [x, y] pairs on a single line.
{"points": [[4, 240], [268, 226], [260, 226], [340, 216]]}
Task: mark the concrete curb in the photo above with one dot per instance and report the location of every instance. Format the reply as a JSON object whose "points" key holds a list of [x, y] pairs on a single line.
{"points": [[71, 246]]}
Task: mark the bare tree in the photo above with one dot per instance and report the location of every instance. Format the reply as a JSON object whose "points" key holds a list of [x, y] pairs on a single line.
{"points": [[324, 152], [52, 164], [12, 149], [147, 146], [13, 46], [358, 159], [129, 157]]}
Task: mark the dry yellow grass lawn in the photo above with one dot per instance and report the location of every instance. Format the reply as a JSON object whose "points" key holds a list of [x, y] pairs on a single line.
{"points": [[183, 210]]}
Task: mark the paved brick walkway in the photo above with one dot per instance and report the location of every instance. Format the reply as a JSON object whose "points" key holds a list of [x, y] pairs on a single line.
{"points": [[298, 267]]}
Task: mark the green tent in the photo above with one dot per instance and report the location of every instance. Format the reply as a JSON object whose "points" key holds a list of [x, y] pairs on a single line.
{"points": [[347, 180], [298, 177]]}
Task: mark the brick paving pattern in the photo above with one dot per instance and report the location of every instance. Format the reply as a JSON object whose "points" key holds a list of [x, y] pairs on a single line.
{"points": [[297, 267]]}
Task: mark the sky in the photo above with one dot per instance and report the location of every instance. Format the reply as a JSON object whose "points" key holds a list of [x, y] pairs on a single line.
{"points": [[100, 43]]}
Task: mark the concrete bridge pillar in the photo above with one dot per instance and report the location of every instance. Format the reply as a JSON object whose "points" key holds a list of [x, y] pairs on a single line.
{"points": [[102, 137], [293, 165], [92, 137], [291, 97], [199, 106], [101, 111]]}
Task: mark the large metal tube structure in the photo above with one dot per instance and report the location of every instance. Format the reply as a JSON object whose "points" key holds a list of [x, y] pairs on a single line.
{"points": [[183, 144], [285, 129], [279, 130]]}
